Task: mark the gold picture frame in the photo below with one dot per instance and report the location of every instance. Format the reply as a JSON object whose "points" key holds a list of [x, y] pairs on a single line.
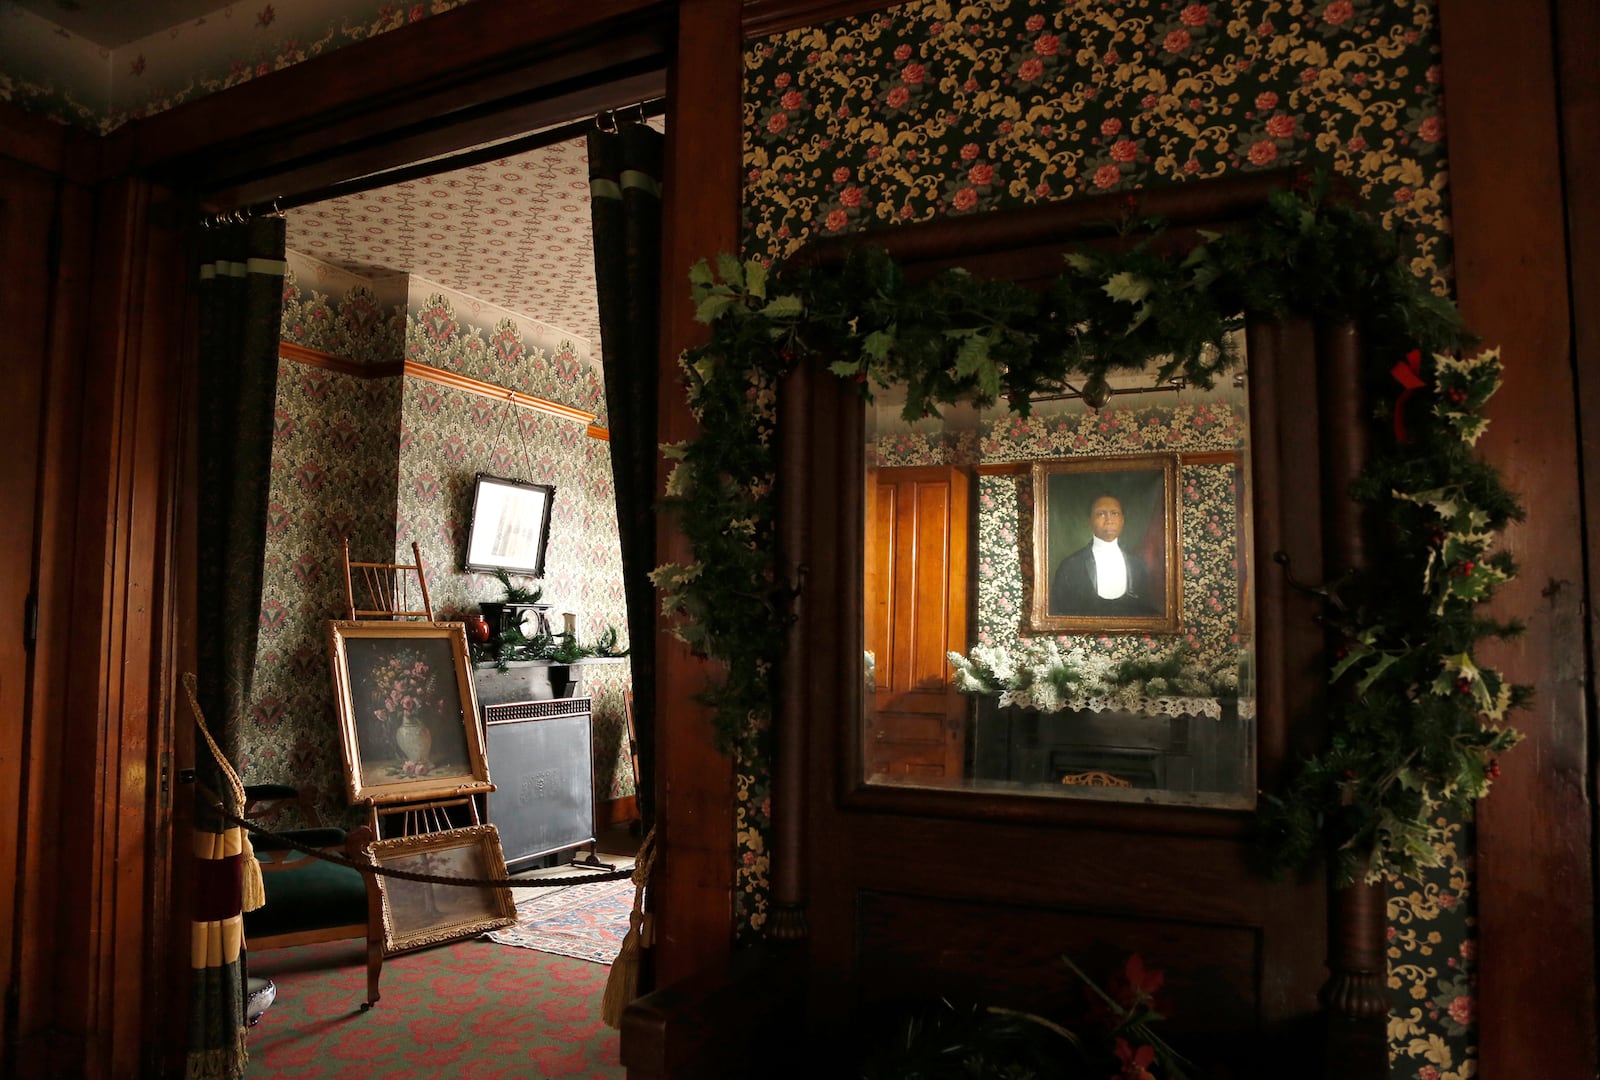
{"points": [[417, 914], [1138, 495], [407, 709]]}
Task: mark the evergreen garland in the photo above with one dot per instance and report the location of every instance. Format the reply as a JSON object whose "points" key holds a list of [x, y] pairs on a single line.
{"points": [[1418, 733]]}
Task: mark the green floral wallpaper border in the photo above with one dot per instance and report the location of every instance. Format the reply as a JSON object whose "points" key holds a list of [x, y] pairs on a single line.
{"points": [[932, 110]]}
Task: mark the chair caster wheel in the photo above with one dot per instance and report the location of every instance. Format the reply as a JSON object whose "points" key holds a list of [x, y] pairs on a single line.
{"points": [[366, 1006]]}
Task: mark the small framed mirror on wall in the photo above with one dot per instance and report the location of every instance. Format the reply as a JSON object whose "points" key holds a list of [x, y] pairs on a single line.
{"points": [[510, 526]]}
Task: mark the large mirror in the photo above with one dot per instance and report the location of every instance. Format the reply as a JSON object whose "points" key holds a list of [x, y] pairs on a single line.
{"points": [[1059, 605]]}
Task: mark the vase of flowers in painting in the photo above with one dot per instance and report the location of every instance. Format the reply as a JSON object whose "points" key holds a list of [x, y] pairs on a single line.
{"points": [[414, 740]]}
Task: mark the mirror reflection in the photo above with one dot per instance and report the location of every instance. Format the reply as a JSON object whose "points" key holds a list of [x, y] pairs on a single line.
{"points": [[1060, 604]]}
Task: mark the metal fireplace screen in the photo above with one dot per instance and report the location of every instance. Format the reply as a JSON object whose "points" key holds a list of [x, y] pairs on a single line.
{"points": [[541, 761]]}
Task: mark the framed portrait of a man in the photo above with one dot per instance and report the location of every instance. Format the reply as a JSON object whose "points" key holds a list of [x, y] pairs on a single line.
{"points": [[1106, 557]]}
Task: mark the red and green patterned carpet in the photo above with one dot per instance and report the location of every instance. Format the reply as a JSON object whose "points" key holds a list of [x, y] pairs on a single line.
{"points": [[472, 1009]]}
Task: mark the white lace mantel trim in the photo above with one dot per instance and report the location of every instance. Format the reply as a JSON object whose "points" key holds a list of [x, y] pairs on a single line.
{"points": [[1146, 706]]}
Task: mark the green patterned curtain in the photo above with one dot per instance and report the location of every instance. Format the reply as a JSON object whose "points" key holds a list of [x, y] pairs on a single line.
{"points": [[241, 302], [625, 193]]}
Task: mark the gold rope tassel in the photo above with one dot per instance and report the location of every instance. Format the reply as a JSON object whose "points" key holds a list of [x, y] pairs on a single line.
{"points": [[622, 985], [253, 894]]}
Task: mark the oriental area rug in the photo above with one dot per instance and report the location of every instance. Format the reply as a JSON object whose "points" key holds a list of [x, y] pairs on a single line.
{"points": [[584, 921]]}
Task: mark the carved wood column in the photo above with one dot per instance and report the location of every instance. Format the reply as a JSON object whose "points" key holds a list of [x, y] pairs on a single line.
{"points": [[795, 452], [1354, 998]]}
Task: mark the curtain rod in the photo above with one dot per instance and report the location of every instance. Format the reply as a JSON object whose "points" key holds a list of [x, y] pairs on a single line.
{"points": [[465, 159]]}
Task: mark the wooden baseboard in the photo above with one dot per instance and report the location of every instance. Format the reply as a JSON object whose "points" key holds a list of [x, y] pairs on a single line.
{"points": [[617, 811]]}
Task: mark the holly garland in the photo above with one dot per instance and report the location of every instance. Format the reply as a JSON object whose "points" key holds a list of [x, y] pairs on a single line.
{"points": [[1416, 735]]}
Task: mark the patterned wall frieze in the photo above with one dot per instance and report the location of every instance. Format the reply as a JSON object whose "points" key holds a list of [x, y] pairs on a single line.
{"points": [[359, 317], [450, 330]]}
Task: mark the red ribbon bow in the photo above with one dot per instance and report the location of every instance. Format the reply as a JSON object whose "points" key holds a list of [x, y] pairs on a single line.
{"points": [[1408, 374]]}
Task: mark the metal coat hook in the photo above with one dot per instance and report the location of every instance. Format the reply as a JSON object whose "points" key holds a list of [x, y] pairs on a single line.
{"points": [[1328, 591]]}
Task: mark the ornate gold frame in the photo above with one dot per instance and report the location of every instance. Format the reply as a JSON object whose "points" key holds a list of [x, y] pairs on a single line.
{"points": [[479, 908], [357, 724], [1040, 619]]}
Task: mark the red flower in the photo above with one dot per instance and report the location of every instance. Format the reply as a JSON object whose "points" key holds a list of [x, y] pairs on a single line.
{"points": [[965, 199], [902, 53], [1263, 152], [1194, 15], [1338, 12], [1402, 195], [777, 122], [1035, 23], [1124, 150], [850, 196], [1047, 45], [265, 16], [1191, 166], [1280, 126], [1431, 130], [1142, 983], [1266, 101], [1110, 126], [1135, 1063], [1030, 70], [791, 100], [981, 174], [836, 220], [1462, 1010], [418, 12], [1356, 144], [841, 174], [1107, 176], [913, 74], [1177, 41], [970, 151], [898, 97], [781, 79]]}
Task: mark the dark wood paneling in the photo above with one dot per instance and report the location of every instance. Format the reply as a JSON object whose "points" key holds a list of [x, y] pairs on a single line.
{"points": [[1534, 840], [992, 952], [693, 885], [462, 67], [29, 204]]}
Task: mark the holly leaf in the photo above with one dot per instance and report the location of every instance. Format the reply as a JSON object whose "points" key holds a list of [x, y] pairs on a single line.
{"points": [[711, 307], [755, 279], [1127, 287], [729, 269], [783, 307]]}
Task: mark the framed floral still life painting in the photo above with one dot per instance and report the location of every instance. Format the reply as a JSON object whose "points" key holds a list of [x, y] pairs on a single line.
{"points": [[417, 914], [1106, 557], [408, 712]]}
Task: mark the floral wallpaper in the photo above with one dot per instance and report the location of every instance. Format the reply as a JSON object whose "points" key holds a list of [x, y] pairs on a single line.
{"points": [[930, 110], [390, 459], [46, 68]]}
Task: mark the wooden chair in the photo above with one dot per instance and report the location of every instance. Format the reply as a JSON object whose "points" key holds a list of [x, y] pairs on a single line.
{"points": [[310, 900], [386, 588]]}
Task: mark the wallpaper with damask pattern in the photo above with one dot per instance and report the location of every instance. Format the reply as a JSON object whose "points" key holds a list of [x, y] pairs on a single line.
{"points": [[932, 110], [388, 460]]}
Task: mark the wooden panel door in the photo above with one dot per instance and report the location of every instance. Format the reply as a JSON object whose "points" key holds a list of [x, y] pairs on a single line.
{"points": [[916, 602]]}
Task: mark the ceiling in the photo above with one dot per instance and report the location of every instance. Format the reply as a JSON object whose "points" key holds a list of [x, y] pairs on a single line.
{"points": [[109, 23], [514, 232]]}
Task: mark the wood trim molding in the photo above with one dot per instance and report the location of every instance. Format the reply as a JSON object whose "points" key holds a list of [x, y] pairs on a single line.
{"points": [[341, 364], [477, 386], [762, 18], [299, 354]]}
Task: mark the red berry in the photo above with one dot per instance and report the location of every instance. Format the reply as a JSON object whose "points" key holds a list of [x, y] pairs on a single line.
{"points": [[1493, 770], [1463, 685]]}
